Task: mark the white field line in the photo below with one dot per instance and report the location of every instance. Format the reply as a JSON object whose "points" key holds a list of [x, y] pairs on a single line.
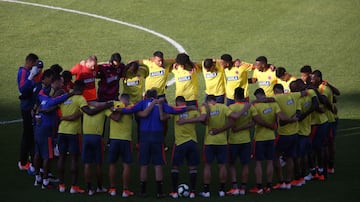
{"points": [[178, 47], [347, 129]]}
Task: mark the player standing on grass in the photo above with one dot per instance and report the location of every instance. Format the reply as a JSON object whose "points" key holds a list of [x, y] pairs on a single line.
{"points": [[236, 75], [109, 75], [186, 82], [120, 143], [220, 118], [25, 82], [151, 136], [87, 71], [213, 74], [133, 82], [284, 78], [45, 123], [264, 75]]}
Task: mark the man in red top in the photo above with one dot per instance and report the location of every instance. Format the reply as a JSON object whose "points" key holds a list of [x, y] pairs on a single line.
{"points": [[109, 75], [86, 71]]}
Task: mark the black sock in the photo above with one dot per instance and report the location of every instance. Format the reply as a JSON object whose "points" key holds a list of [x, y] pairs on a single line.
{"points": [[99, 184], [243, 186], [331, 164], [206, 187], [89, 186], [269, 184], [175, 179], [222, 187], [143, 187], [193, 177], [259, 186], [313, 171], [159, 187]]}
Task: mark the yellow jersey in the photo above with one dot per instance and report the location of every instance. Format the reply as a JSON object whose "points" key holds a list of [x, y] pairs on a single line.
{"points": [[242, 136], [121, 129], [286, 84], [186, 132], [134, 84], [325, 90], [304, 105], [288, 103], [214, 80], [218, 118], [157, 76], [69, 107], [237, 77], [94, 125], [186, 83], [267, 112], [266, 80], [317, 117]]}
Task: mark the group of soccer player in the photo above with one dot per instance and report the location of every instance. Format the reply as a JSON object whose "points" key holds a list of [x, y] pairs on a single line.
{"points": [[289, 126]]}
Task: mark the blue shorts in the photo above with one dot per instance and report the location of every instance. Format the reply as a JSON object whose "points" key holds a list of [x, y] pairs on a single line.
{"points": [[93, 149], [264, 150], [303, 146], [192, 103], [189, 151], [318, 135], [220, 152], [69, 143], [241, 151], [120, 148], [43, 142], [219, 98], [286, 145], [151, 152], [229, 101]]}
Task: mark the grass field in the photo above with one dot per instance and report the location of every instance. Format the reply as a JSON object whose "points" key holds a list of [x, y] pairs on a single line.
{"points": [[323, 33]]}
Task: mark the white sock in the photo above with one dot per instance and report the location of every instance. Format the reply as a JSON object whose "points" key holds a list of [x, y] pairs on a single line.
{"points": [[38, 178], [46, 182]]}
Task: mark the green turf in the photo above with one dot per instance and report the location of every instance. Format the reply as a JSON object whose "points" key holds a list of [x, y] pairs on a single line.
{"points": [[323, 33]]}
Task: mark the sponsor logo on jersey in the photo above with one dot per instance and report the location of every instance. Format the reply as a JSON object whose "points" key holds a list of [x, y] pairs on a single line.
{"points": [[232, 78], [214, 113], [184, 78], [89, 80], [290, 102], [67, 102], [264, 83], [111, 79], [184, 116], [158, 73], [267, 110], [210, 75], [307, 104], [133, 83], [286, 91]]}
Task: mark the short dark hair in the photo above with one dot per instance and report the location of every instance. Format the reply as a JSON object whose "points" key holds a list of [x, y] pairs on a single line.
{"points": [[210, 98], [280, 72], [180, 99], [158, 54], [152, 93], [125, 96], [262, 59], [239, 93], [56, 77], [115, 57], [56, 68], [259, 91], [226, 57], [79, 85], [133, 64], [317, 73], [31, 57], [67, 76], [47, 73], [279, 87], [208, 63], [306, 69], [182, 59]]}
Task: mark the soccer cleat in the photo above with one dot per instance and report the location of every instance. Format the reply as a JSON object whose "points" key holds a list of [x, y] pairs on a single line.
{"points": [[221, 193], [90, 192], [296, 183], [309, 177], [127, 193], [279, 185], [287, 186], [173, 195], [267, 189], [31, 170], [23, 167], [101, 190], [76, 189], [331, 170], [37, 183], [205, 194], [62, 188], [48, 186], [192, 195], [52, 178], [242, 192], [112, 192], [256, 190], [321, 177], [233, 192]]}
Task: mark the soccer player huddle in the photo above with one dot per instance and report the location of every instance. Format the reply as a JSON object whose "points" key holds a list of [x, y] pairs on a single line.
{"points": [[289, 125]]}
